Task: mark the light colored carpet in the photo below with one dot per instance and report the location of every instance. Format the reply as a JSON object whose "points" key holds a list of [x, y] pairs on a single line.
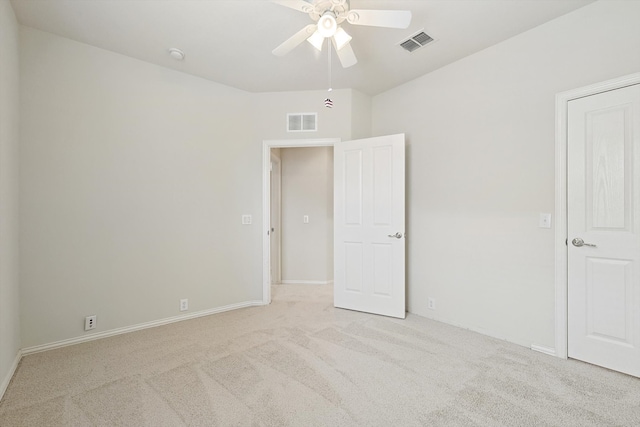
{"points": [[301, 362]]}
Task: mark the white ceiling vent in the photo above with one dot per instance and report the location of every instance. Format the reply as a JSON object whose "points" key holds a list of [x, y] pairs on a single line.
{"points": [[416, 41], [302, 122]]}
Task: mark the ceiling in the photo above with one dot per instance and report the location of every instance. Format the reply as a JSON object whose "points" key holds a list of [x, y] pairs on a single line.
{"points": [[230, 41]]}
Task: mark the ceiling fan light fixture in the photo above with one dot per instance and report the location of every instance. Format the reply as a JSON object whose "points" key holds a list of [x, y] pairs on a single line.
{"points": [[316, 40], [327, 24], [327, 15], [341, 38]]}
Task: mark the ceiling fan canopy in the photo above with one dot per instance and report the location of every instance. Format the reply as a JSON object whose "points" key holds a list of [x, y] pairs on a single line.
{"points": [[329, 15]]}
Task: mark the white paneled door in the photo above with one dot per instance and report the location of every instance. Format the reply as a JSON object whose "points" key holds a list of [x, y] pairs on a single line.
{"points": [[369, 225], [603, 204]]}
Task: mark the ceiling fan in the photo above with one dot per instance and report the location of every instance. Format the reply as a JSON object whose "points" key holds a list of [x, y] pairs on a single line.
{"points": [[328, 15]]}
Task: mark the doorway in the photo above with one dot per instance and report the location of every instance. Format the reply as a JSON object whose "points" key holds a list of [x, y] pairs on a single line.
{"points": [[307, 215], [268, 146], [598, 234], [369, 223]]}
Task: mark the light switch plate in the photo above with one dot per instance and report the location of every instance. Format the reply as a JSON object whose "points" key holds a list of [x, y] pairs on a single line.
{"points": [[246, 219], [545, 220], [305, 219]]}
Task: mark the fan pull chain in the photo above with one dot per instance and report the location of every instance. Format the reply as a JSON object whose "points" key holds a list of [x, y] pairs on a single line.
{"points": [[328, 102]]}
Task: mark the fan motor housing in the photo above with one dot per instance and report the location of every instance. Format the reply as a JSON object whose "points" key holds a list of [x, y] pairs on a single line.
{"points": [[339, 7]]}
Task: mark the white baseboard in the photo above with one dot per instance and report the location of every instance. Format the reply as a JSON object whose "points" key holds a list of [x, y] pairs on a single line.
{"points": [[511, 339], [545, 350], [483, 331], [12, 371], [138, 327], [306, 282]]}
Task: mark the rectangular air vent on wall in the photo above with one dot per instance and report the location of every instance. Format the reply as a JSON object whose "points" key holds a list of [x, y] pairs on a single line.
{"points": [[416, 41], [302, 122]]}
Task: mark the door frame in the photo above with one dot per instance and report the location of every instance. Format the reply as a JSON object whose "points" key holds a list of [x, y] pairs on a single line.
{"points": [[561, 249], [267, 145], [278, 201]]}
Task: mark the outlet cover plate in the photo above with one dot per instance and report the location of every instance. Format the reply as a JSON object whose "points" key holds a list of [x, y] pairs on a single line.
{"points": [[545, 220], [90, 322]]}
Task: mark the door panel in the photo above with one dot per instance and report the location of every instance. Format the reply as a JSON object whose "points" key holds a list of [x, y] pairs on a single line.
{"points": [[353, 267], [382, 265], [353, 186], [382, 185], [368, 212], [608, 305], [609, 188], [603, 197]]}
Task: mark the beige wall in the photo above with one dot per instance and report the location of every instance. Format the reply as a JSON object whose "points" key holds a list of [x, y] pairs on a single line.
{"points": [[360, 115], [349, 118], [9, 292], [480, 168], [134, 179], [307, 189]]}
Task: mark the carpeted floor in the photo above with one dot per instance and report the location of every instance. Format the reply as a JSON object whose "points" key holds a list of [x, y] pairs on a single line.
{"points": [[301, 362]]}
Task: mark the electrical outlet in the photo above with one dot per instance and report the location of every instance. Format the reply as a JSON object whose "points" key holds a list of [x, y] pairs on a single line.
{"points": [[184, 304], [432, 304], [247, 219], [90, 322]]}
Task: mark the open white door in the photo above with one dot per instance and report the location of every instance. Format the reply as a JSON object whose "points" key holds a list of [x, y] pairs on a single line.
{"points": [[369, 240], [603, 223]]}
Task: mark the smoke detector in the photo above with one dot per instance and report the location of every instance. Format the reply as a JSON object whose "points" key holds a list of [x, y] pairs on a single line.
{"points": [[176, 54]]}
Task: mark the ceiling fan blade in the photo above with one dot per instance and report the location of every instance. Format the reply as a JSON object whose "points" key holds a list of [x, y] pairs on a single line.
{"points": [[293, 41], [346, 55], [299, 5], [380, 18]]}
